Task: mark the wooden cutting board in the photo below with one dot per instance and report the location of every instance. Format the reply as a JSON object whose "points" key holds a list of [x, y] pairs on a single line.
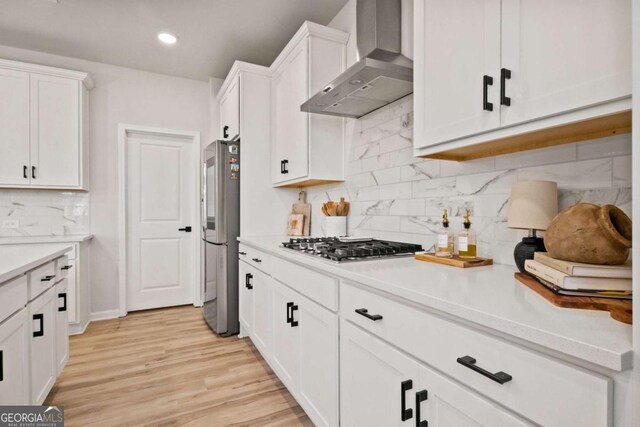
{"points": [[303, 208], [296, 224], [456, 261], [621, 310]]}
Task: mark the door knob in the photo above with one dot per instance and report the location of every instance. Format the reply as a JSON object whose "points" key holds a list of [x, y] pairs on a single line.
{"points": [[186, 229]]}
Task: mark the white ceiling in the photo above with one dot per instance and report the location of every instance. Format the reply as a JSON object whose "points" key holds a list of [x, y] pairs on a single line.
{"points": [[211, 33]]}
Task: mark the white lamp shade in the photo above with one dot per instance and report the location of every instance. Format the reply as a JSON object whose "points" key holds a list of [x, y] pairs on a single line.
{"points": [[532, 205]]}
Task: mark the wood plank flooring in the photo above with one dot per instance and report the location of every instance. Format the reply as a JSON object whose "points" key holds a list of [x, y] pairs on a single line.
{"points": [[166, 368]]}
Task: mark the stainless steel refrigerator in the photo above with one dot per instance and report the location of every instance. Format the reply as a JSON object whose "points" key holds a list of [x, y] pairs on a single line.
{"points": [[221, 210]]}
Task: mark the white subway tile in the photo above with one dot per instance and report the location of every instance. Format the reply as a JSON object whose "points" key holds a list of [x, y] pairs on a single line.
{"points": [[426, 169], [576, 175], [439, 187], [618, 145], [395, 191], [498, 182], [407, 207], [387, 176], [622, 171], [451, 168], [557, 154]]}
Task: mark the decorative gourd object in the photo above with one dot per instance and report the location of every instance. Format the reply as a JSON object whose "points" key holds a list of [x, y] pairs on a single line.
{"points": [[590, 234]]}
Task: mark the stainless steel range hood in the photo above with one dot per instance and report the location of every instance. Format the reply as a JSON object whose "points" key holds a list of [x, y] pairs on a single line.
{"points": [[381, 76]]}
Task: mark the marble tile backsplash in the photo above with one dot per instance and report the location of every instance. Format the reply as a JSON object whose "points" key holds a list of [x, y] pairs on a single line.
{"points": [[394, 195], [44, 213]]}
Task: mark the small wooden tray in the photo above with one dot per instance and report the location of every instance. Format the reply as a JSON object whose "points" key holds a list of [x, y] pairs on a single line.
{"points": [[456, 261], [620, 310]]}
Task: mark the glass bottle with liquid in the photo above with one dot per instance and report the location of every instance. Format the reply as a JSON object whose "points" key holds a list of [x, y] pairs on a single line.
{"points": [[444, 245], [467, 239]]}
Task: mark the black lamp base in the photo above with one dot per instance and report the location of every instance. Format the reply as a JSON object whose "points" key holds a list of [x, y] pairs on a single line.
{"points": [[525, 250]]}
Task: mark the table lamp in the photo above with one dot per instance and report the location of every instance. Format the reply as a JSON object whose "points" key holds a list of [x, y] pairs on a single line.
{"points": [[532, 206]]}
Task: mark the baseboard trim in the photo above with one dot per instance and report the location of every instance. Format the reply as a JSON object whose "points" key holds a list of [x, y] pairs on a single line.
{"points": [[77, 329], [105, 315]]}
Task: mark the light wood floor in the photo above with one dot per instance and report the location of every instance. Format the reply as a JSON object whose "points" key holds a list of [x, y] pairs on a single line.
{"points": [[164, 368]]}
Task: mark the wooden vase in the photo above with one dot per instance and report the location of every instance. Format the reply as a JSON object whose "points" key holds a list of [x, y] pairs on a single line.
{"points": [[590, 234]]}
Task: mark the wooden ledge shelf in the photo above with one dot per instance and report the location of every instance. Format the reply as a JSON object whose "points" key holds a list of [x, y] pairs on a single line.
{"points": [[599, 127]]}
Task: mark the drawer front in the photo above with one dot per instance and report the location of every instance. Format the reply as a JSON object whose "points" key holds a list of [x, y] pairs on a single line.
{"points": [[254, 257], [316, 286], [41, 279], [541, 388], [14, 296], [62, 268]]}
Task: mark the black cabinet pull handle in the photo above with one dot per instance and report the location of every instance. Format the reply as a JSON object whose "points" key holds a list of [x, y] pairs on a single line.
{"points": [[186, 229], [256, 259], [505, 74], [486, 82], [281, 166], [64, 301], [364, 312], [405, 413], [284, 166], [1, 366], [66, 267], [289, 313], [33, 172], [225, 132], [248, 280], [39, 317], [47, 278], [25, 172], [421, 396], [470, 362], [242, 253], [294, 323]]}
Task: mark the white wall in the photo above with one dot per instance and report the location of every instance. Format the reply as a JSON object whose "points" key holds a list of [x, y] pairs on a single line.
{"points": [[122, 95]]}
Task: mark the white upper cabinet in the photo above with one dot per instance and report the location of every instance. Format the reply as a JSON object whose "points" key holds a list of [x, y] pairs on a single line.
{"points": [[43, 127], [460, 49], [14, 127], [307, 148], [582, 58], [491, 71], [230, 111]]}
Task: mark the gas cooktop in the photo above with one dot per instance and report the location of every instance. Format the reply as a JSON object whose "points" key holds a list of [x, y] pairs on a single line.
{"points": [[334, 249]]}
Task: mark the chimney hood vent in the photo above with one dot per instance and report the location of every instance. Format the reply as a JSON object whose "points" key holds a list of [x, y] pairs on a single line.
{"points": [[381, 76]]}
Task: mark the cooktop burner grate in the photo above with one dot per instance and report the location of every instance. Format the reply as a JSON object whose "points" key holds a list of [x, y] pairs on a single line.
{"points": [[334, 249]]}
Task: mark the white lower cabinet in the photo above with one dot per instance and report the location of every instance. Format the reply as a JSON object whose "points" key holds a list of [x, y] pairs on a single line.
{"points": [[43, 314], [381, 386], [300, 338], [286, 335], [261, 312], [62, 325], [14, 359], [245, 277]]}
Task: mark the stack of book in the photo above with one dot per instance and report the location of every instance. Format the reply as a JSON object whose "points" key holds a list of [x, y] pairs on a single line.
{"points": [[576, 279]]}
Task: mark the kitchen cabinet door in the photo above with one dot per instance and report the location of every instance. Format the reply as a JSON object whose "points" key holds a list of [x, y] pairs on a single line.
{"points": [[14, 360], [444, 402], [56, 151], [286, 335], [261, 334], [291, 126], [62, 325], [72, 292], [581, 59], [319, 363], [14, 127], [246, 278], [42, 312], [375, 381], [230, 112], [457, 44]]}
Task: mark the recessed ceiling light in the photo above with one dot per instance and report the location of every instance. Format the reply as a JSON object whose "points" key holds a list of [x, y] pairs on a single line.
{"points": [[167, 38]]}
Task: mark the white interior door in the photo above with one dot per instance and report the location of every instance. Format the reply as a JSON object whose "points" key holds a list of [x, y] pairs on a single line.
{"points": [[161, 199]]}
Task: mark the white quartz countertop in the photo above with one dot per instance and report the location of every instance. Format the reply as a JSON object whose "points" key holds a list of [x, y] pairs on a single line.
{"points": [[45, 239], [16, 260], [487, 296]]}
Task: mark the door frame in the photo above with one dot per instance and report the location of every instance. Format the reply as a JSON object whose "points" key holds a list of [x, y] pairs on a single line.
{"points": [[124, 130]]}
